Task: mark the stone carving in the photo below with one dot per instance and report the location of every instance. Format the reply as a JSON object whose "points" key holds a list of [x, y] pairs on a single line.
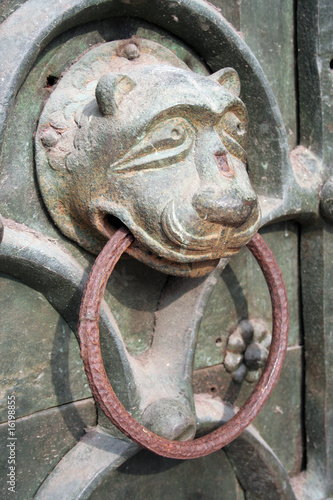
{"points": [[131, 136]]}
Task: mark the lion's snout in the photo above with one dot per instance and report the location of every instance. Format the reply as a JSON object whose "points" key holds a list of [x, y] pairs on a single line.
{"points": [[227, 208]]}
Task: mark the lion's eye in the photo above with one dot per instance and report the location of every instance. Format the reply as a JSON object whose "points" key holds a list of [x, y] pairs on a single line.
{"points": [[164, 143], [233, 132]]}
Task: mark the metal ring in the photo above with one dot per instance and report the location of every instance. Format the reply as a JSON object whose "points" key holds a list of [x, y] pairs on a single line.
{"points": [[106, 397]]}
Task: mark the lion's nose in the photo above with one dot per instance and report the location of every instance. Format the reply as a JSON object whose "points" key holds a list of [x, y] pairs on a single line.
{"points": [[230, 208]]}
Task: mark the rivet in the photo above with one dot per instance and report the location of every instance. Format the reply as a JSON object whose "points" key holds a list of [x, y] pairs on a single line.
{"points": [[132, 51], [50, 138]]}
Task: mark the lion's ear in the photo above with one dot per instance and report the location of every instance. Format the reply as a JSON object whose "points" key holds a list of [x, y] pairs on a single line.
{"points": [[110, 90], [228, 78]]}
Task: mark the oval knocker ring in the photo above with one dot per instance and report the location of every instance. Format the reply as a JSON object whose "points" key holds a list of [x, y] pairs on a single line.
{"points": [[102, 389]]}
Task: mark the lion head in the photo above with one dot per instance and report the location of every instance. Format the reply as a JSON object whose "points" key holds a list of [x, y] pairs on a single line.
{"points": [[159, 149]]}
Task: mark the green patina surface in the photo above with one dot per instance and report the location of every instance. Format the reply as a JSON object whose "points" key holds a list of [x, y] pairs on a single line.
{"points": [[135, 318], [241, 293], [40, 445], [40, 361], [268, 29], [170, 479], [134, 291], [7, 7], [175, 173]]}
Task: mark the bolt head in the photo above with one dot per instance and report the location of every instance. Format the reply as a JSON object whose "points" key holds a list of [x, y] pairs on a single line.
{"points": [[255, 356]]}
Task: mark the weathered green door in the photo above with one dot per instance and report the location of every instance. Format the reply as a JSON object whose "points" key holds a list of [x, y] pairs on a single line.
{"points": [[56, 443]]}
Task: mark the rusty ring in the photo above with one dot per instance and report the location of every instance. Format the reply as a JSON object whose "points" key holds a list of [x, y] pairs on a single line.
{"points": [[106, 397]]}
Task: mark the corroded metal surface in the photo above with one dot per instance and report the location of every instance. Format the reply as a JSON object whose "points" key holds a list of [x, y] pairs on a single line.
{"points": [[93, 461], [85, 466], [22, 48], [247, 350], [168, 126], [101, 387], [47, 267], [326, 202]]}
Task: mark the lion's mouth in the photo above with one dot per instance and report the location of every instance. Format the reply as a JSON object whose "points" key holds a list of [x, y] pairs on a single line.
{"points": [[180, 249], [193, 242], [111, 223], [219, 239]]}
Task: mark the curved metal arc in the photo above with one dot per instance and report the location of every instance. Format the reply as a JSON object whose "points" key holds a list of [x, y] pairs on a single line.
{"points": [[252, 458], [47, 267], [249, 453], [102, 389], [23, 47], [85, 466], [97, 455]]}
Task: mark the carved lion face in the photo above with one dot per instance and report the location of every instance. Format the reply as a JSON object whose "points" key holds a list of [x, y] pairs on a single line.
{"points": [[161, 150]]}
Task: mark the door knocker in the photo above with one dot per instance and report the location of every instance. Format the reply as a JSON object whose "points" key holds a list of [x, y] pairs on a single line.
{"points": [[101, 387], [136, 149]]}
